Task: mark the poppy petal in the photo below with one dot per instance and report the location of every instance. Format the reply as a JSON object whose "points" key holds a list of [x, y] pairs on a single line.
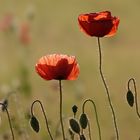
{"points": [[57, 67], [99, 24]]}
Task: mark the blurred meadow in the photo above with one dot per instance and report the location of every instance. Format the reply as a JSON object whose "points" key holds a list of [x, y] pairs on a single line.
{"points": [[52, 27]]}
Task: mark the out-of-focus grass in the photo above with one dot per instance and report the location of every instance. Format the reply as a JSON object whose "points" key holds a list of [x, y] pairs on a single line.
{"points": [[54, 29]]}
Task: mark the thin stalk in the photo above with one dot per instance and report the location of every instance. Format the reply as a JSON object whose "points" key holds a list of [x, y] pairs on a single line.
{"points": [[74, 115], [9, 120], [135, 89], [107, 90], [89, 130], [43, 111], [61, 103], [96, 115]]}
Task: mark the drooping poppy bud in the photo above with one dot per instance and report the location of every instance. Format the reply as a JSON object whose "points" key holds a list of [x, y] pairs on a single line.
{"points": [[130, 98]]}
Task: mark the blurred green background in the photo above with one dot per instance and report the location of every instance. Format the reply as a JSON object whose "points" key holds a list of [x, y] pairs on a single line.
{"points": [[53, 28]]}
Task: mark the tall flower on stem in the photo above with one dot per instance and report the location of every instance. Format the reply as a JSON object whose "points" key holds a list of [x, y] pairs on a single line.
{"points": [[58, 67], [101, 24]]}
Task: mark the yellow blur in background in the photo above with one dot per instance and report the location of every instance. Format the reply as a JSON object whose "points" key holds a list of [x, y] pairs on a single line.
{"points": [[39, 27]]}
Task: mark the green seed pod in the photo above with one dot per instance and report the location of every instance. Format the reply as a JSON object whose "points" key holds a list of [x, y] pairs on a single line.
{"points": [[74, 126], [74, 109], [34, 124], [130, 98], [5, 105], [83, 120]]}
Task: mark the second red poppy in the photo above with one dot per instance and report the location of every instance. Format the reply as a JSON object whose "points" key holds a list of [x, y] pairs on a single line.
{"points": [[98, 24]]}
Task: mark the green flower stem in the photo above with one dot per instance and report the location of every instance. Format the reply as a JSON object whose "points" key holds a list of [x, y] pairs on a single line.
{"points": [[135, 89], [96, 115], [73, 133], [9, 120], [107, 90], [89, 130], [43, 111], [61, 118]]}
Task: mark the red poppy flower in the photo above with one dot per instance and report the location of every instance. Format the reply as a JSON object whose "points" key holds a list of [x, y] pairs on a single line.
{"points": [[6, 22], [24, 33], [99, 24], [57, 67]]}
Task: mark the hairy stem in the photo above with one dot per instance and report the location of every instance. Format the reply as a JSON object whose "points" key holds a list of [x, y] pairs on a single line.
{"points": [[107, 90], [43, 111], [61, 118]]}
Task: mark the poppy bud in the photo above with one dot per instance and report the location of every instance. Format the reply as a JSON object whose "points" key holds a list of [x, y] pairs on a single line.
{"points": [[74, 126], [83, 120], [74, 109], [5, 105], [34, 124], [130, 98]]}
